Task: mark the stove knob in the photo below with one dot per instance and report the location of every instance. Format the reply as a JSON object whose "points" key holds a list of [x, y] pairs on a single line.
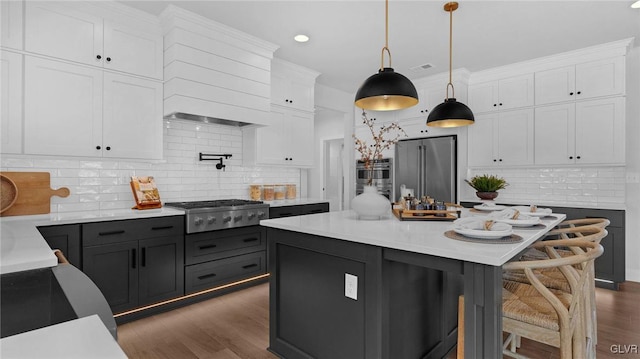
{"points": [[226, 219], [211, 219], [251, 216], [237, 218], [261, 215], [197, 221]]}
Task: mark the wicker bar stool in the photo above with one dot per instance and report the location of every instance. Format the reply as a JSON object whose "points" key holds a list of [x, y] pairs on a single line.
{"points": [[551, 316], [552, 278]]}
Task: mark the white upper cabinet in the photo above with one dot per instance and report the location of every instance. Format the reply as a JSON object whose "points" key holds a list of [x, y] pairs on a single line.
{"points": [[586, 132], [82, 111], [580, 82], [11, 33], [10, 102], [504, 138], [286, 142], [292, 86], [428, 99], [503, 94], [68, 32]]}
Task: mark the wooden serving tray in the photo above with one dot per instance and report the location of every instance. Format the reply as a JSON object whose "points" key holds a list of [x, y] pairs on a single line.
{"points": [[424, 215]]}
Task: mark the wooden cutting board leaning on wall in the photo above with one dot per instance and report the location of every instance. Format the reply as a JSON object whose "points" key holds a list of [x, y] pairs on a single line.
{"points": [[33, 193]]}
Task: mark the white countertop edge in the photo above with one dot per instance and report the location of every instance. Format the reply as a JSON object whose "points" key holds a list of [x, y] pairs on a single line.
{"points": [[595, 205], [85, 337], [483, 253]]}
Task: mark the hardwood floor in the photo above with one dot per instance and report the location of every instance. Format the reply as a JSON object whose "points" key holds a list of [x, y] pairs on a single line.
{"points": [[236, 326]]}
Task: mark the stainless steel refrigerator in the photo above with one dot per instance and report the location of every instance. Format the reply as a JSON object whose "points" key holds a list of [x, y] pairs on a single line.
{"points": [[428, 166]]}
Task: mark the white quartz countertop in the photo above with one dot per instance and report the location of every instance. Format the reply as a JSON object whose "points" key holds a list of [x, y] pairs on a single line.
{"points": [[567, 204], [81, 338], [425, 237], [23, 248], [295, 202]]}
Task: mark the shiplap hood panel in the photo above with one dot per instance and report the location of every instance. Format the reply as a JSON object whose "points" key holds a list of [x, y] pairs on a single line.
{"points": [[214, 73]]}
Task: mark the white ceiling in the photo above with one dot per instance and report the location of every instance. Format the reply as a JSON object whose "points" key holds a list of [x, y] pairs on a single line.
{"points": [[347, 36]]}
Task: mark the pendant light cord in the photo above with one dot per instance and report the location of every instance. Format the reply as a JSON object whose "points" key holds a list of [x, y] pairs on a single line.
{"points": [[453, 93], [386, 36]]}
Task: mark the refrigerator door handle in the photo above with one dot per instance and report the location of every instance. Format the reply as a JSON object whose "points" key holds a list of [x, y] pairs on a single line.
{"points": [[418, 188]]}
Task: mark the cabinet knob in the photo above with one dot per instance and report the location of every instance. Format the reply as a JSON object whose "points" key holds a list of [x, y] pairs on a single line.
{"points": [[495, 105], [500, 104], [579, 92], [98, 147], [108, 59], [570, 93], [500, 160], [494, 160], [570, 157], [578, 157], [108, 148], [98, 57]]}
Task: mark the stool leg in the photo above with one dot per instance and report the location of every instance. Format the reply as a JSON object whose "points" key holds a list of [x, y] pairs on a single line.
{"points": [[460, 351]]}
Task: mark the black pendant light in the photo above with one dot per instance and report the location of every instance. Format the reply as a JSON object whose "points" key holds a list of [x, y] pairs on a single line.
{"points": [[450, 113], [387, 90]]}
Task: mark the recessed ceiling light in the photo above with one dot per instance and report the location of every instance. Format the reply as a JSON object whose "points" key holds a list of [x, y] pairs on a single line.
{"points": [[636, 5], [301, 38]]}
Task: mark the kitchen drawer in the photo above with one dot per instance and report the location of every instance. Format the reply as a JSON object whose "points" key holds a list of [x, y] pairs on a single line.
{"points": [[207, 246], [314, 208], [298, 210], [127, 230], [207, 275]]}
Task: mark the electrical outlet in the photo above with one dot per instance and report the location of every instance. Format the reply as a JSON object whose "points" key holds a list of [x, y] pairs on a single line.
{"points": [[351, 286], [633, 177]]}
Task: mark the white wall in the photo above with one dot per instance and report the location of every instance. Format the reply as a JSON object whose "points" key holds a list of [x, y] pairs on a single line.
{"points": [[632, 222], [104, 184]]}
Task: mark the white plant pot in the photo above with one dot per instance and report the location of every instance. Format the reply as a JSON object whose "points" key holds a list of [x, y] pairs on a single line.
{"points": [[371, 205]]}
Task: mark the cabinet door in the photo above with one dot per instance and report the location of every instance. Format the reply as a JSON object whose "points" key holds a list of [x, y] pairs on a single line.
{"points": [[133, 50], [481, 141], [483, 97], [301, 95], [556, 85], [555, 134], [66, 238], [600, 78], [114, 269], [299, 130], [11, 33], [11, 102], [515, 92], [62, 102], [515, 137], [56, 29], [161, 270], [600, 131], [270, 140], [132, 117]]}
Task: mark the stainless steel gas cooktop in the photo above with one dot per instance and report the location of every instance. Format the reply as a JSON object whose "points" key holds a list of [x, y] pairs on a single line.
{"points": [[202, 216]]}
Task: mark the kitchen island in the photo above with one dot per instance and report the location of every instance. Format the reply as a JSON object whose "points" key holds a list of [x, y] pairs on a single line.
{"points": [[341, 287]]}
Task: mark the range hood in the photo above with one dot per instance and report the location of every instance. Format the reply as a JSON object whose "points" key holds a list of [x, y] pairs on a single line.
{"points": [[213, 73], [205, 119]]}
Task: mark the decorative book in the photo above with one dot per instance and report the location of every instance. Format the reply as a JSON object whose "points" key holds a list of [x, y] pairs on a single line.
{"points": [[145, 192]]}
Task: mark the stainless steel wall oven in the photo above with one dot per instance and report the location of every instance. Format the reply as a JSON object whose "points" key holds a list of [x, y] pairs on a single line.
{"points": [[382, 176]]}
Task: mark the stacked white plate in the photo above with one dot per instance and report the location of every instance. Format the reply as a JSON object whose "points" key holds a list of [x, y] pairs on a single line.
{"points": [[474, 228], [539, 212], [506, 216]]}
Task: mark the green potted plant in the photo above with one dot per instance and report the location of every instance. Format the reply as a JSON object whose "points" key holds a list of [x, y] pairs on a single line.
{"points": [[487, 186]]}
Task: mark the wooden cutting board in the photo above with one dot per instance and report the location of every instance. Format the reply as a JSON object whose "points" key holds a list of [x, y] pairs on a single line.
{"points": [[34, 193]]}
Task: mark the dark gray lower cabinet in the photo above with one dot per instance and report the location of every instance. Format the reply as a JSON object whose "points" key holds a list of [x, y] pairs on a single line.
{"points": [[610, 267], [67, 239], [298, 210], [402, 310], [135, 262], [220, 257]]}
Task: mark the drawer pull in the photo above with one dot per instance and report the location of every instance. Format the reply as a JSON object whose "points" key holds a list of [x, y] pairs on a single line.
{"points": [[249, 266], [206, 276], [208, 246], [161, 228], [250, 240], [143, 261], [110, 233]]}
